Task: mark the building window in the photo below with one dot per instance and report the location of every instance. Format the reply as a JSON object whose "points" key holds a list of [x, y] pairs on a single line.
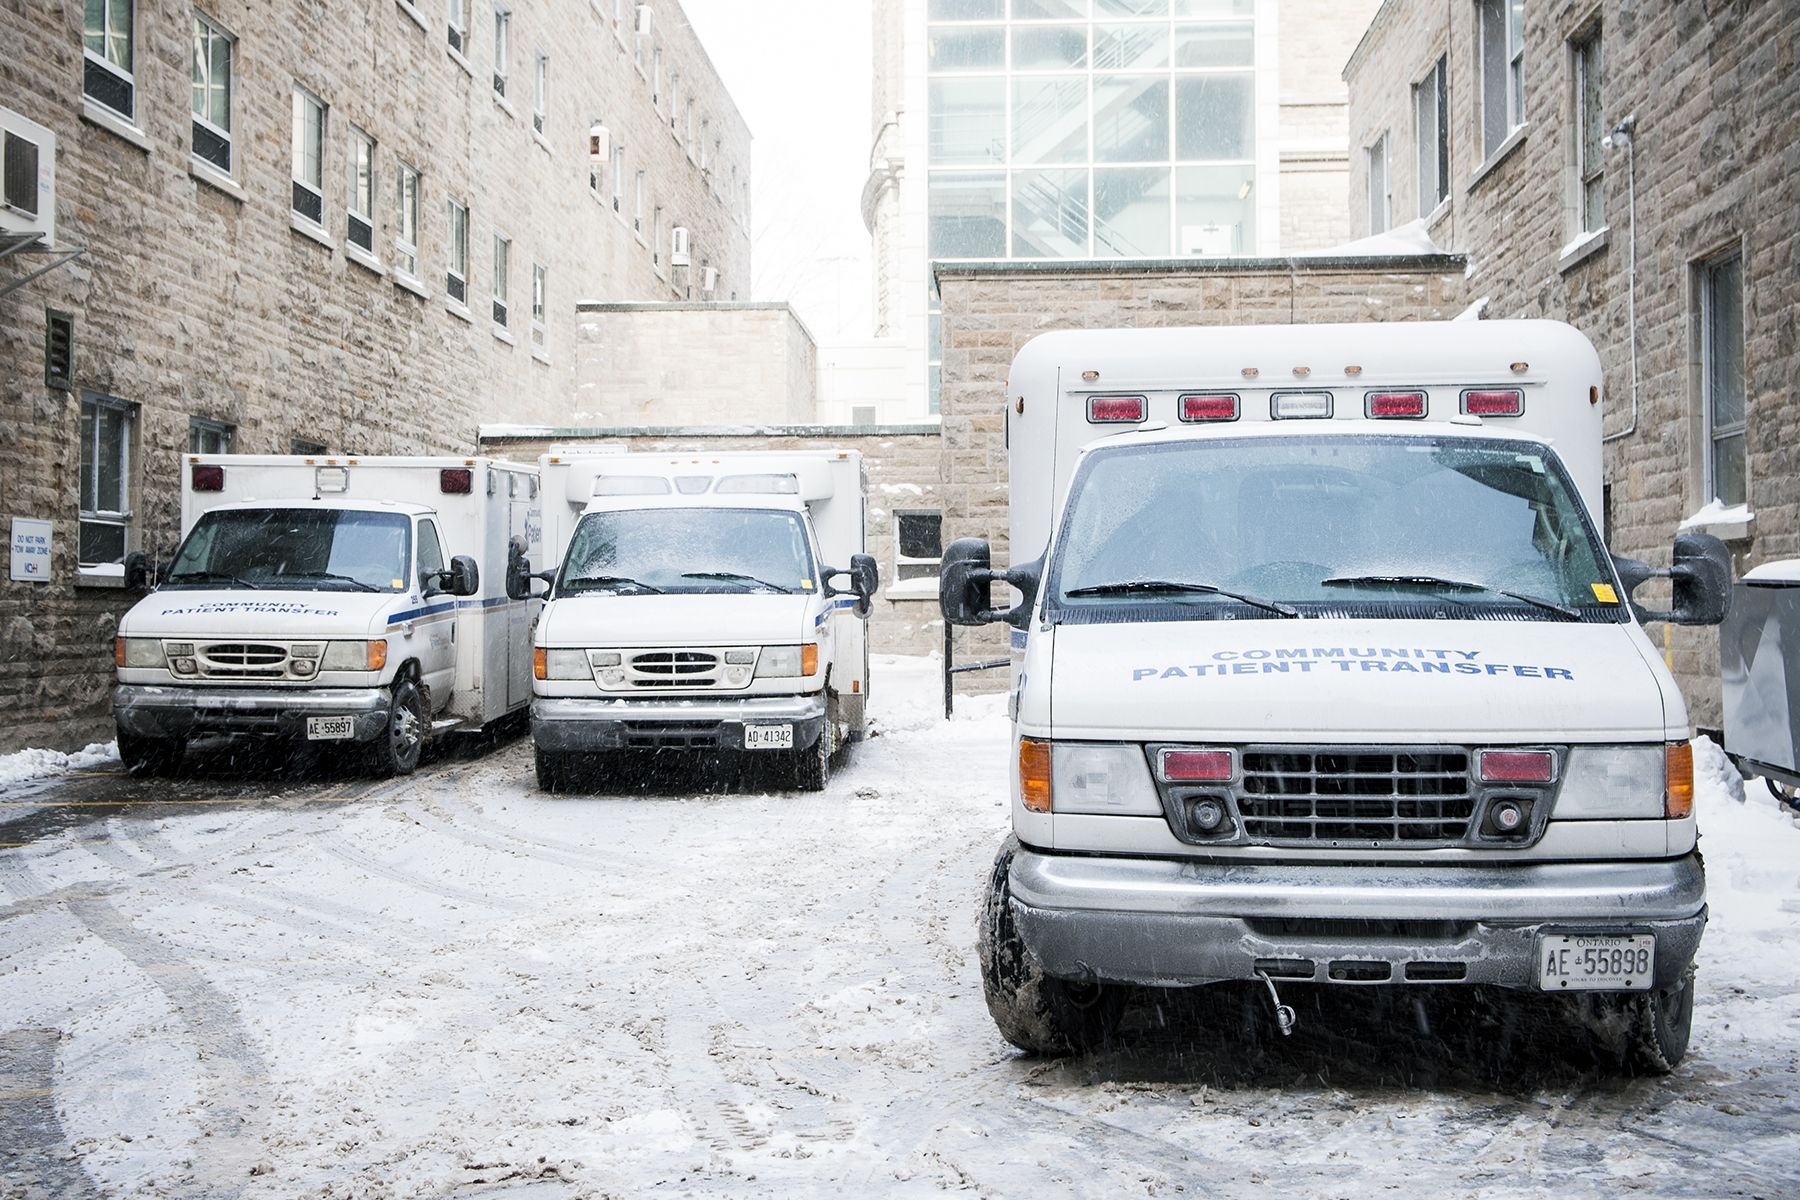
{"points": [[690, 128], [361, 219], [1502, 33], [502, 25], [309, 156], [457, 278], [705, 139], [105, 479], [305, 446], [656, 239], [502, 277], [459, 26], [1722, 377], [106, 51], [206, 436], [406, 220], [1431, 119], [918, 545], [1381, 206], [934, 349], [637, 204], [212, 55], [538, 75], [1590, 175], [656, 92], [539, 326], [618, 180]]}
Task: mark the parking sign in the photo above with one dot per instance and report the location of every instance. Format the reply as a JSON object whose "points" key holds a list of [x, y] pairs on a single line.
{"points": [[31, 550]]}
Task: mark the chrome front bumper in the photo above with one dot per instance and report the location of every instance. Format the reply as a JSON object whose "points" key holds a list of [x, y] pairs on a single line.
{"points": [[152, 710], [581, 725], [1163, 922]]}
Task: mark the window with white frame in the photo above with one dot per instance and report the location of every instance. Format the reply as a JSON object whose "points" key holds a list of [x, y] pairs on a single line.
{"points": [[406, 219], [637, 203], [689, 140], [656, 240], [1721, 288], [107, 52], [502, 27], [207, 436], [458, 25], [360, 219], [456, 283], [539, 75], [211, 68], [618, 180], [918, 545], [1431, 121], [1501, 29], [705, 143], [502, 277], [105, 479], [656, 80], [1589, 184], [309, 156], [539, 320], [674, 99], [1381, 200], [618, 17]]}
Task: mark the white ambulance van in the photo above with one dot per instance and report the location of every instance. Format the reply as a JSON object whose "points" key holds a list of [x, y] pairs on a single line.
{"points": [[369, 602], [702, 603], [1322, 674]]}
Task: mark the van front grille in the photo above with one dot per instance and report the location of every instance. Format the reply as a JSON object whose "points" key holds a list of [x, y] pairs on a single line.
{"points": [[1356, 794], [242, 660], [675, 669]]}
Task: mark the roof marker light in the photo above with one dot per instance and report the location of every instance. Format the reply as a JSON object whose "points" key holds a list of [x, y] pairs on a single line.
{"points": [[1394, 405], [1210, 406], [1290, 406], [456, 481], [1110, 409], [1493, 402], [208, 479], [1198, 766], [1516, 766]]}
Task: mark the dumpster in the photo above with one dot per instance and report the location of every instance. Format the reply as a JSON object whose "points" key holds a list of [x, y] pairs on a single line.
{"points": [[1759, 667]]}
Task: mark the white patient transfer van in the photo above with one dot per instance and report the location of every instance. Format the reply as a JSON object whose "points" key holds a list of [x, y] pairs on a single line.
{"points": [[696, 607], [1322, 674], [364, 601]]}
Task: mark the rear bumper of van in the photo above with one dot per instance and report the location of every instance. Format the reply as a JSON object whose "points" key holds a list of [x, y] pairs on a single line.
{"points": [[153, 711], [579, 726]]}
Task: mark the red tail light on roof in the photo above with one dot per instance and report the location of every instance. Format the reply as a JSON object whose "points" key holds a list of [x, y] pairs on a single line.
{"points": [[1221, 406], [208, 479], [1399, 405], [1493, 402], [1198, 766], [456, 481], [1107, 409], [1516, 766]]}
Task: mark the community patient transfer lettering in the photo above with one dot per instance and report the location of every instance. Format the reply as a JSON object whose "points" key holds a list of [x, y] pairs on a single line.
{"points": [[1349, 660]]}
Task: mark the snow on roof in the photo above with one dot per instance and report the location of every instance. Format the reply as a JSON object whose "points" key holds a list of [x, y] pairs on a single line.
{"points": [[1409, 238]]}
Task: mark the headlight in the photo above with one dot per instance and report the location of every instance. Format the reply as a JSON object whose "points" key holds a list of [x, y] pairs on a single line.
{"points": [[1612, 782], [1106, 778], [355, 656], [567, 664], [776, 661], [137, 652]]}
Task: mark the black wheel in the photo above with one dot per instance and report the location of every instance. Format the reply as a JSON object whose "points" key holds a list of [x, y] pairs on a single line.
{"points": [[1038, 1013], [1782, 792], [552, 770], [396, 751], [1660, 1024], [146, 756], [812, 765]]}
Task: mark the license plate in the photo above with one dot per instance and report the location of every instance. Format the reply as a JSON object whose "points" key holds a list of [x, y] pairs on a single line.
{"points": [[330, 729], [1574, 962], [768, 737]]}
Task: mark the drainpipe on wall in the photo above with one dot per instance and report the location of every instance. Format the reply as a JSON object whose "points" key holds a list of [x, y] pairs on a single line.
{"points": [[1621, 137]]}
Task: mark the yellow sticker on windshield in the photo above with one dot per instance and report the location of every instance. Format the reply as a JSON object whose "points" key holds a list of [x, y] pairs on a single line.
{"points": [[806, 583], [398, 584], [1603, 592]]}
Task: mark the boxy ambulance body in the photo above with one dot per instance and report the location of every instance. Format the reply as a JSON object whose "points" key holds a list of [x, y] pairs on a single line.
{"points": [[693, 609], [359, 600], [1322, 673]]}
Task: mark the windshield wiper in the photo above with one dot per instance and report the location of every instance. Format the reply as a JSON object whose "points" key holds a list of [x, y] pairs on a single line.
{"points": [[1454, 585], [736, 577], [212, 576], [367, 587], [1126, 586], [609, 581]]}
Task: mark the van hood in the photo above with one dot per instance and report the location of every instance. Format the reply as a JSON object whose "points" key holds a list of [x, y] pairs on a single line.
{"points": [[710, 619], [1356, 681], [239, 612]]}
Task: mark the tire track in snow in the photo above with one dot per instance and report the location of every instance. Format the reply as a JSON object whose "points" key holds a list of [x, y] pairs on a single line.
{"points": [[333, 843], [33, 1144]]}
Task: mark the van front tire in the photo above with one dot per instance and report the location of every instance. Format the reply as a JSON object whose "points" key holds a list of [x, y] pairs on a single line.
{"points": [[146, 757], [1038, 1013], [552, 771], [1661, 1024], [396, 751]]}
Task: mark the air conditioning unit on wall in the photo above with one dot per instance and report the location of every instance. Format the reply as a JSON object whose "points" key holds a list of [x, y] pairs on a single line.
{"points": [[680, 248], [27, 178], [709, 280], [643, 20]]}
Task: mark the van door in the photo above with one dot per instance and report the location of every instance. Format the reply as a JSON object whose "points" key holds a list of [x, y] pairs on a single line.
{"points": [[524, 529], [431, 636]]}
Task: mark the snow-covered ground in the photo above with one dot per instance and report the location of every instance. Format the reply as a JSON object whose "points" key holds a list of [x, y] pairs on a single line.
{"points": [[454, 984]]}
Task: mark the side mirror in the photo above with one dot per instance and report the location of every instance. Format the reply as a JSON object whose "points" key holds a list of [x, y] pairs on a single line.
{"points": [[966, 582], [518, 577], [462, 579], [1700, 581], [137, 570]]}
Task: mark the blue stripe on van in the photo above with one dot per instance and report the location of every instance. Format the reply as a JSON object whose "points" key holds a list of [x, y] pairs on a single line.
{"points": [[413, 614]]}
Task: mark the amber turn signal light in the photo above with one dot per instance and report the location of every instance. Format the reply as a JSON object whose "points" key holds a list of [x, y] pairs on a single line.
{"points": [[1678, 796], [540, 668], [809, 659], [1034, 774]]}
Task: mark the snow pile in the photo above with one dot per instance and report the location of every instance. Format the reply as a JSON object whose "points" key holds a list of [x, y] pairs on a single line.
{"points": [[1717, 512], [30, 764], [1783, 569], [1474, 311], [1713, 772], [1409, 238]]}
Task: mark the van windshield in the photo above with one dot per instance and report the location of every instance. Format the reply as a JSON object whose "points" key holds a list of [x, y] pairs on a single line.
{"points": [[1371, 526], [650, 551], [295, 549]]}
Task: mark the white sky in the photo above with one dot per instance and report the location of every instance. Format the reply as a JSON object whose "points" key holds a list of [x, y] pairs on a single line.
{"points": [[799, 71]]}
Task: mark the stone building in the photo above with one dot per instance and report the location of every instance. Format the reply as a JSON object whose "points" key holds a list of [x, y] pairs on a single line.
{"points": [[1633, 169], [342, 228]]}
